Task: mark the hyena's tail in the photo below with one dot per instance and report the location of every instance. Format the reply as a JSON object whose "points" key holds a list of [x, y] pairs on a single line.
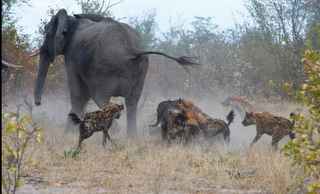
{"points": [[292, 134], [230, 117], [75, 119], [292, 114]]}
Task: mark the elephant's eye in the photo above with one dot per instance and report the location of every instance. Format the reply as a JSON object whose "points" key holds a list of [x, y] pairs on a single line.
{"points": [[64, 33]]}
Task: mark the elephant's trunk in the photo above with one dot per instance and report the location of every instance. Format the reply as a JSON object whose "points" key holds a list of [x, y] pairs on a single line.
{"points": [[42, 74]]}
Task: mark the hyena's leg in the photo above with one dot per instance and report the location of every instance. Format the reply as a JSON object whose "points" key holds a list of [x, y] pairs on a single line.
{"points": [[274, 142], [83, 136], [226, 134], [105, 136], [276, 137], [258, 136]]}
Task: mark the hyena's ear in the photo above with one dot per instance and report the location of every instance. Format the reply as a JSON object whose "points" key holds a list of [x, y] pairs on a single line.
{"points": [[247, 114], [121, 106], [183, 110]]}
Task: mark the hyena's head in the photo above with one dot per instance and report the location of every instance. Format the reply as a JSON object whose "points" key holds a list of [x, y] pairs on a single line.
{"points": [[184, 119], [227, 101], [249, 119], [115, 110], [178, 116], [177, 123]]}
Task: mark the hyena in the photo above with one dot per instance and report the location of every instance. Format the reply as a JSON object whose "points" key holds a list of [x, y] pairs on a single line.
{"points": [[183, 125], [208, 125], [241, 105], [270, 124], [99, 120]]}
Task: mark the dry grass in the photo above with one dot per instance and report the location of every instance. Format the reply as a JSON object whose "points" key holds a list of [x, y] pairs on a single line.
{"points": [[149, 166]]}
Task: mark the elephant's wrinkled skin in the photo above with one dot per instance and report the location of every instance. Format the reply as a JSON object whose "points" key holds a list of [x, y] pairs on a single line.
{"points": [[103, 58]]}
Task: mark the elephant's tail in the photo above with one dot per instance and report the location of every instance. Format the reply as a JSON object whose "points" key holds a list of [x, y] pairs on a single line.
{"points": [[75, 119], [181, 60]]}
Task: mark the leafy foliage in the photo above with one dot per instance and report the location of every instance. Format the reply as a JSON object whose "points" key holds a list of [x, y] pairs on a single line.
{"points": [[7, 7], [305, 149], [97, 6], [16, 133], [146, 26], [279, 31]]}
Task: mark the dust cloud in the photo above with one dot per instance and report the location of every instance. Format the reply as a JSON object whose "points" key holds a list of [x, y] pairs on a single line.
{"points": [[55, 107]]}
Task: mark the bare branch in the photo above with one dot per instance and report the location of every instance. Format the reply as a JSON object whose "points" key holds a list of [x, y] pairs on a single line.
{"points": [[111, 5], [102, 4]]}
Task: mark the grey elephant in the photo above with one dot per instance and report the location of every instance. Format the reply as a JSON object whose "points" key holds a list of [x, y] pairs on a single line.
{"points": [[5, 70], [103, 58]]}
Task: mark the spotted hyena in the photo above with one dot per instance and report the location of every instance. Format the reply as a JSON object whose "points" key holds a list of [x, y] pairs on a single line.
{"points": [[183, 125], [99, 120], [270, 124], [208, 125], [241, 105]]}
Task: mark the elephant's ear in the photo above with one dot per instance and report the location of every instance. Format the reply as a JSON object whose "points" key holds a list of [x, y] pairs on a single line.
{"points": [[62, 27]]}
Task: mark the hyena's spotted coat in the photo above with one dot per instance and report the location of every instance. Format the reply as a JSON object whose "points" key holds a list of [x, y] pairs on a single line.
{"points": [[183, 125], [100, 120], [267, 123], [208, 125]]}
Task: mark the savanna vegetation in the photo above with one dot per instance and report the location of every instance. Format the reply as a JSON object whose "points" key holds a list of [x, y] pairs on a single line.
{"points": [[271, 59]]}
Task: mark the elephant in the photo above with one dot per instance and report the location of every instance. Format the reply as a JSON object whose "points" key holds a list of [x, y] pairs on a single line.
{"points": [[5, 66], [103, 58]]}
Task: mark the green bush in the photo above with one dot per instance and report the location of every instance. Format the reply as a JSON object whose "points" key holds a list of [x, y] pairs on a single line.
{"points": [[16, 133], [305, 148]]}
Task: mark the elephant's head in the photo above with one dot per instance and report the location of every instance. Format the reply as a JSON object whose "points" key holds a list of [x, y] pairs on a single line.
{"points": [[53, 45]]}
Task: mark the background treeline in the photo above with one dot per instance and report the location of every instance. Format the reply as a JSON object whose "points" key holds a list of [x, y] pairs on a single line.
{"points": [[252, 59]]}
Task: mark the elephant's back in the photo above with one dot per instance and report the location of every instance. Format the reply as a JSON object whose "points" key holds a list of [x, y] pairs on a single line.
{"points": [[106, 47]]}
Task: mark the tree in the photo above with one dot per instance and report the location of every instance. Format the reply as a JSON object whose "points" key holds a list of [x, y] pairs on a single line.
{"points": [[146, 26], [281, 28], [16, 133], [97, 7], [305, 148]]}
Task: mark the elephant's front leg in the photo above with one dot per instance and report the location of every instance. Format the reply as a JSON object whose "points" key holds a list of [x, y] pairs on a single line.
{"points": [[79, 96]]}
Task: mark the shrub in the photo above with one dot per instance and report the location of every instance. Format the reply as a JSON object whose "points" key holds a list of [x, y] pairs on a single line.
{"points": [[16, 133], [305, 148]]}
